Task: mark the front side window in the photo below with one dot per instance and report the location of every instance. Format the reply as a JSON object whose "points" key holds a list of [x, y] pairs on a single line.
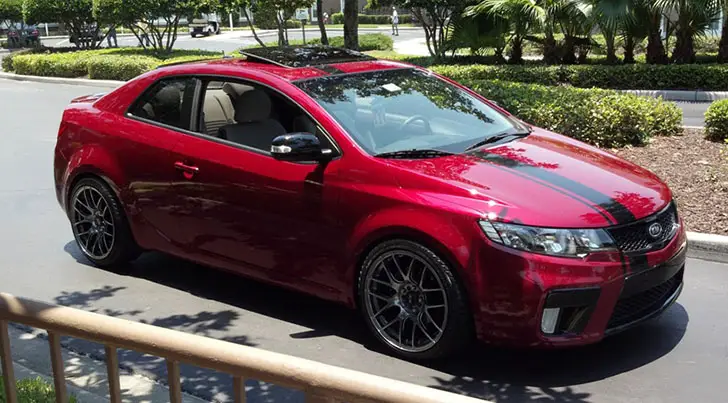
{"points": [[407, 109], [168, 101]]}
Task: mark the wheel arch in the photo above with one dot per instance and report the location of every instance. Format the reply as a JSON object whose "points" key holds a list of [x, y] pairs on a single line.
{"points": [[403, 225], [94, 161]]}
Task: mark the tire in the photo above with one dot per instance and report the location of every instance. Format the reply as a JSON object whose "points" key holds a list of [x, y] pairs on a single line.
{"points": [[92, 237], [454, 318], [194, 35]]}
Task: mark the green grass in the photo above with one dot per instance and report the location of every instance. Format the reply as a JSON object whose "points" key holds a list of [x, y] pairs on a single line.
{"points": [[34, 391]]}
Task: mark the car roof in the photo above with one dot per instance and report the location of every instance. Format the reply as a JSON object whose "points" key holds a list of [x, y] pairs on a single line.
{"points": [[293, 63]]}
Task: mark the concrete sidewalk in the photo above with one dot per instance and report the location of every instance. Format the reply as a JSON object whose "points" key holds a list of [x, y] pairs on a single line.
{"points": [[85, 377]]}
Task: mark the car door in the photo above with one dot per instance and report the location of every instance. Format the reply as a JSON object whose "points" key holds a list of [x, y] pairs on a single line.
{"points": [[253, 213], [148, 134]]}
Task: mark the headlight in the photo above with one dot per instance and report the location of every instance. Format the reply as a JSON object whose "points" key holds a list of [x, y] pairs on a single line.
{"points": [[548, 241]]}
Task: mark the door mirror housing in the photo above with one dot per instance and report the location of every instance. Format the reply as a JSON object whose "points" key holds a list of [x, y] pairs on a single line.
{"points": [[298, 147]]}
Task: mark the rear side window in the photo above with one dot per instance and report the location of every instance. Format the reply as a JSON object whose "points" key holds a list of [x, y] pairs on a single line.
{"points": [[168, 101]]}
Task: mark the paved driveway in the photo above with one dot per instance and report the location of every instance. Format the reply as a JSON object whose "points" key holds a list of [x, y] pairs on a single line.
{"points": [[679, 358]]}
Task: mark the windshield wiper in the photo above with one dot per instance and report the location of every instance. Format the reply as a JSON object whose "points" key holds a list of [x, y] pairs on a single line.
{"points": [[498, 137], [414, 153]]}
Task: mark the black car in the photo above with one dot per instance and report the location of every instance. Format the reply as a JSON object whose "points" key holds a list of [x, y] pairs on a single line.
{"points": [[88, 33], [20, 35]]}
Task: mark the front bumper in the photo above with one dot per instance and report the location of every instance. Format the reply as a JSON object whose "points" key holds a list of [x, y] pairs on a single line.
{"points": [[585, 300]]}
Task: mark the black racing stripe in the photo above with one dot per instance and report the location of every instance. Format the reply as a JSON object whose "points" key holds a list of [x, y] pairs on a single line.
{"points": [[555, 189], [619, 213]]}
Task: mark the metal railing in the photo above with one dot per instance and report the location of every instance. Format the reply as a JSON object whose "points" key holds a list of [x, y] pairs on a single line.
{"points": [[321, 383]]}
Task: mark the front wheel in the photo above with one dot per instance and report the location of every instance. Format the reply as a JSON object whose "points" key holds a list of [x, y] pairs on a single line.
{"points": [[412, 301], [99, 224]]}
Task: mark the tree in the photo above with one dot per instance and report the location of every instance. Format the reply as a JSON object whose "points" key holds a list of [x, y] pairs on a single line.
{"points": [[521, 23], [141, 17], [232, 6], [11, 11], [320, 18], [437, 17], [77, 15], [351, 24], [283, 10], [693, 18]]}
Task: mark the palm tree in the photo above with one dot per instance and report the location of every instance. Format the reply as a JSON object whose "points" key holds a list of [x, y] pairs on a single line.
{"points": [[523, 16], [693, 17]]}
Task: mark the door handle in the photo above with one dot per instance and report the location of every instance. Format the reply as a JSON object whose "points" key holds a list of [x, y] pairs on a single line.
{"points": [[187, 170]]}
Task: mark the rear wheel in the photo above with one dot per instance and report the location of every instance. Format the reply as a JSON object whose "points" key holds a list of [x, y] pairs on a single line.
{"points": [[412, 302], [99, 225]]}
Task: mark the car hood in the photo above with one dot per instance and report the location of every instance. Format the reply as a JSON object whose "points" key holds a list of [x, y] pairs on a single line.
{"points": [[544, 179]]}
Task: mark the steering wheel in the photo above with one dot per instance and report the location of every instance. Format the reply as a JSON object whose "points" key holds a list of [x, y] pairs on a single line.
{"points": [[416, 118]]}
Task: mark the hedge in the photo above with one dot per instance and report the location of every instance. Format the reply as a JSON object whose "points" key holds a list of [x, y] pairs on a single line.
{"points": [[603, 118], [105, 64], [716, 121], [338, 18], [367, 42], [636, 76]]}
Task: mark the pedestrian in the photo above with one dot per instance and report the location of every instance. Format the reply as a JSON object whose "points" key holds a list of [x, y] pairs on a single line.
{"points": [[112, 35], [143, 34], [395, 22]]}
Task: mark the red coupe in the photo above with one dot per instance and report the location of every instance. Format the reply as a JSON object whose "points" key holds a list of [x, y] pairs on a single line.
{"points": [[378, 185]]}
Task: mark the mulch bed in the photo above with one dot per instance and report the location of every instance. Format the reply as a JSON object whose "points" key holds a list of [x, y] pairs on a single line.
{"points": [[697, 173]]}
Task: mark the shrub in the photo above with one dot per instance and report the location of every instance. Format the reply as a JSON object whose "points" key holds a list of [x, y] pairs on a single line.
{"points": [[34, 391], [367, 42], [119, 67], [636, 76], [376, 19], [716, 121], [600, 117], [109, 64]]}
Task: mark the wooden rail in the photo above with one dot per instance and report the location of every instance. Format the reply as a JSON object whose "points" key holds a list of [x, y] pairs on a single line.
{"points": [[320, 382]]}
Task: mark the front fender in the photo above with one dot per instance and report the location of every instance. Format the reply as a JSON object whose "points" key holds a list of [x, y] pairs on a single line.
{"points": [[441, 231]]}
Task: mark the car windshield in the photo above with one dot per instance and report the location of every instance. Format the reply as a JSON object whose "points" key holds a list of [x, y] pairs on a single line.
{"points": [[407, 110]]}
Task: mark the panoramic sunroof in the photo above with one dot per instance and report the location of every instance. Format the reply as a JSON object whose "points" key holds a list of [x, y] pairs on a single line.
{"points": [[301, 56]]}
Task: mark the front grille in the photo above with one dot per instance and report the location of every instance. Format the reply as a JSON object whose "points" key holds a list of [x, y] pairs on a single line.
{"points": [[640, 305], [635, 237]]}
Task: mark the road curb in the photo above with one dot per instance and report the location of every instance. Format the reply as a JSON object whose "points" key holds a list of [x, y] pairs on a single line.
{"points": [[708, 246], [684, 96], [61, 80]]}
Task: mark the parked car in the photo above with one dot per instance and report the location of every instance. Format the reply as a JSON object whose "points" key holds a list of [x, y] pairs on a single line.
{"points": [[21, 35], [207, 25], [87, 33], [375, 184]]}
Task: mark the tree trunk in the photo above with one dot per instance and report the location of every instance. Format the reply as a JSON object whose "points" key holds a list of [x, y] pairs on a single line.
{"points": [[655, 49], [351, 24], [569, 56], [281, 33], [723, 44], [684, 52], [320, 18], [516, 56], [629, 45], [252, 27], [550, 49], [611, 49]]}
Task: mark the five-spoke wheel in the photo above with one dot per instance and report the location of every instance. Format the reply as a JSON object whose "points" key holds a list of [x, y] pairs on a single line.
{"points": [[412, 301]]}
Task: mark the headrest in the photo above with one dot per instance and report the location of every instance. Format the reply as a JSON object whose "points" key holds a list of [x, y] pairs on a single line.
{"points": [[168, 97], [235, 89], [252, 106]]}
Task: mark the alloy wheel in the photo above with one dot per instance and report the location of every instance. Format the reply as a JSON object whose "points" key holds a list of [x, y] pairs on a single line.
{"points": [[93, 223], [406, 301]]}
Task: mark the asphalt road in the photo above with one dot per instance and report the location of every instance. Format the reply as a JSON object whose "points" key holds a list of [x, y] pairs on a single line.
{"points": [[231, 41], [694, 112], [683, 356]]}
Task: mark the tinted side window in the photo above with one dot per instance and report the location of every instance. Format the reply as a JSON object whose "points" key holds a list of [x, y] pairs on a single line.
{"points": [[168, 101]]}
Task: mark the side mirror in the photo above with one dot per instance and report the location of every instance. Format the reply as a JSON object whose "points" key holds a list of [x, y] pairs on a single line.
{"points": [[298, 147]]}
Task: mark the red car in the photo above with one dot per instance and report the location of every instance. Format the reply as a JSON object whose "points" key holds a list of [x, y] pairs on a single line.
{"points": [[378, 185]]}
